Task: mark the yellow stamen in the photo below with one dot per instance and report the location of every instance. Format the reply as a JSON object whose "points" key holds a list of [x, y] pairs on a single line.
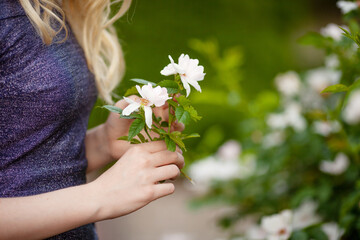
{"points": [[144, 101]]}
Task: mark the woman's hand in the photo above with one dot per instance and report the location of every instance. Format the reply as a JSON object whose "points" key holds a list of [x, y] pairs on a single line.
{"points": [[116, 127], [102, 144], [133, 181]]}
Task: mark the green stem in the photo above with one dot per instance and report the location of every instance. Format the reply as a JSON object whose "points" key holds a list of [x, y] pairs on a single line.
{"points": [[146, 130], [169, 126]]}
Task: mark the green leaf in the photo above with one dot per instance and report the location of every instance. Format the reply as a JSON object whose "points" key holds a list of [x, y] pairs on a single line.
{"points": [[176, 138], [183, 101], [125, 138], [192, 135], [135, 128], [112, 108], [349, 203], [164, 124], [176, 133], [299, 235], [142, 81], [171, 86], [317, 233], [119, 111], [131, 91], [313, 38], [354, 37], [193, 113], [128, 117], [182, 115], [173, 103], [142, 138], [162, 131], [135, 141], [170, 144], [336, 89]]}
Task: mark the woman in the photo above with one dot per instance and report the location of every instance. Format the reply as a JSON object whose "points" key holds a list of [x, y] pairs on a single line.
{"points": [[51, 72]]}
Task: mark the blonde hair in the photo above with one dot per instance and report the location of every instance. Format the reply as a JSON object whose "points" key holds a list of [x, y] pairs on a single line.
{"points": [[92, 25]]}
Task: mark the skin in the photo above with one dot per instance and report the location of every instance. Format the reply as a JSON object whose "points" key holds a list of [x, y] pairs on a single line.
{"points": [[130, 184]]}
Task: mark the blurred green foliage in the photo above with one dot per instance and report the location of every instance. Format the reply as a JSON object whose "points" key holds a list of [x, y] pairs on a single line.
{"points": [[247, 40]]}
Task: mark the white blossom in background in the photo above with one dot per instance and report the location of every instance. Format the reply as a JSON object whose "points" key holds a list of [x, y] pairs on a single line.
{"points": [[336, 167], [273, 139], [321, 78], [311, 99], [305, 215], [291, 117], [189, 70], [288, 83], [351, 113], [176, 236], [332, 61], [211, 168], [225, 165], [277, 226], [255, 233], [347, 6], [325, 128], [332, 30], [332, 231], [230, 150]]}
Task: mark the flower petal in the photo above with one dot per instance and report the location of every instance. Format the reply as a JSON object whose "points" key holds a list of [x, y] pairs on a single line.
{"points": [[148, 116], [186, 85], [128, 100], [140, 91], [196, 85], [130, 108], [177, 67], [168, 70]]}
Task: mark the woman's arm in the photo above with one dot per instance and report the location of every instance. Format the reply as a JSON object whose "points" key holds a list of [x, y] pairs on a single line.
{"points": [[127, 186]]}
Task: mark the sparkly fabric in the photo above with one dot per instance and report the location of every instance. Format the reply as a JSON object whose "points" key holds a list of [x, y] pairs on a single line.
{"points": [[46, 95]]}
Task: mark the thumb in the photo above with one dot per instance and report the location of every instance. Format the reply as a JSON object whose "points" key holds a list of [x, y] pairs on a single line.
{"points": [[116, 126]]}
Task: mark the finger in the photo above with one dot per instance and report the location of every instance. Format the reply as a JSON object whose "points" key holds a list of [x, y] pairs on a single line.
{"points": [[155, 146], [123, 104], [165, 173], [162, 190], [178, 127], [166, 157], [162, 112]]}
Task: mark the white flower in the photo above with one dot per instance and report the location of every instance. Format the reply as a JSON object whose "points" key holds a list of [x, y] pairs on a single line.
{"points": [[332, 30], [273, 139], [255, 233], [288, 83], [351, 112], [324, 128], [332, 231], [230, 150], [211, 168], [336, 167], [321, 78], [305, 215], [291, 117], [150, 96], [346, 6], [189, 69], [332, 61], [278, 226]]}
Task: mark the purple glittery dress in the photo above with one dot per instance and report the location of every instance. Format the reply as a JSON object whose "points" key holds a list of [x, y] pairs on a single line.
{"points": [[46, 95]]}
